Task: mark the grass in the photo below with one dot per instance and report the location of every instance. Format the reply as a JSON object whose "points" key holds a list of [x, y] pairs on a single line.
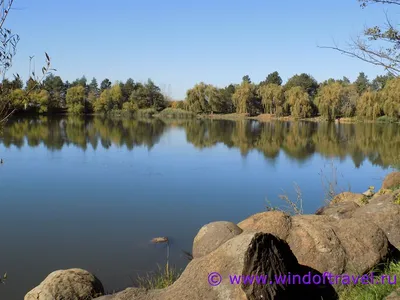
{"points": [[386, 119], [373, 291], [146, 113], [163, 278], [175, 113]]}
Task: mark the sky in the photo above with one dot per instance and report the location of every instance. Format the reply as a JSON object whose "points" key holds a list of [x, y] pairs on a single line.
{"points": [[180, 43]]}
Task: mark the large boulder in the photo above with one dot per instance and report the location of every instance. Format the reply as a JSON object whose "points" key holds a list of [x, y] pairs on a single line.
{"points": [[275, 222], [386, 215], [71, 284], [213, 235], [327, 244], [391, 181], [339, 210], [208, 277]]}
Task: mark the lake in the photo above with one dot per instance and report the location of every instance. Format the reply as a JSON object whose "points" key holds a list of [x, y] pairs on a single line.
{"points": [[92, 192]]}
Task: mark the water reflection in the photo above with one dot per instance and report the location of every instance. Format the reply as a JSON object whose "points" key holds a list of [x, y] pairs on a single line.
{"points": [[377, 143]]}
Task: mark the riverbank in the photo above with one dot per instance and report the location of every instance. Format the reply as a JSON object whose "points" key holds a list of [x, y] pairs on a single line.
{"points": [[276, 243], [271, 117]]}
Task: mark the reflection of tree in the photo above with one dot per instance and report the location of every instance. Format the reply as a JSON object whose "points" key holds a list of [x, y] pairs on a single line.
{"points": [[377, 143]]}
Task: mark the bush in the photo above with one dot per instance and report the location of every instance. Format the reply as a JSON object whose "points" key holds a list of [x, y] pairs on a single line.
{"points": [[176, 113], [386, 119], [146, 112]]}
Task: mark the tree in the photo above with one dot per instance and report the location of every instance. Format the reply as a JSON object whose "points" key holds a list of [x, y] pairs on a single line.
{"points": [[380, 81], [377, 45], [299, 101], [56, 89], [362, 83], [94, 87], [246, 78], [369, 105], [110, 99], [246, 99], [197, 100], [336, 100], [305, 81], [40, 100], [76, 97], [391, 98], [105, 84], [273, 78], [273, 98]]}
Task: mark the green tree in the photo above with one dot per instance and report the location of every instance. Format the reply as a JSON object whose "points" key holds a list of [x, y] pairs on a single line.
{"points": [[305, 81], [299, 101], [76, 98], [273, 98], [105, 84], [246, 78], [18, 99], [40, 100], [94, 87], [56, 89], [362, 83], [272, 78], [110, 99], [380, 81]]}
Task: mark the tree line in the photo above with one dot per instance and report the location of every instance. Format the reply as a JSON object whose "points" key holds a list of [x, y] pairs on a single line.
{"points": [[300, 97]]}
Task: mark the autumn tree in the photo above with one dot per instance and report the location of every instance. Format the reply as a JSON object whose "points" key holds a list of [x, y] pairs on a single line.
{"points": [[273, 98], [335, 99], [299, 101], [369, 105], [246, 99], [391, 98]]}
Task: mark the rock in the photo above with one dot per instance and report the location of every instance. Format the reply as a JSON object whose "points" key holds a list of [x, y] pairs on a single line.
{"points": [[391, 181], [340, 210], [274, 222], [386, 215], [213, 235], [248, 253], [395, 295], [364, 243], [315, 244], [71, 284], [327, 243], [360, 199]]}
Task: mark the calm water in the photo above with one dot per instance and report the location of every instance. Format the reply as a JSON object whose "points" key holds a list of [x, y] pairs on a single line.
{"points": [[91, 193]]}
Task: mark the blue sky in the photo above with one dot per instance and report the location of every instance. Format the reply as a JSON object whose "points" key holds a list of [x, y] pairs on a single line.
{"points": [[181, 43]]}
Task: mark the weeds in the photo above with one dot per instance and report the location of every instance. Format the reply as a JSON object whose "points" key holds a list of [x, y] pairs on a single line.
{"points": [[292, 207], [330, 183], [163, 278]]}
